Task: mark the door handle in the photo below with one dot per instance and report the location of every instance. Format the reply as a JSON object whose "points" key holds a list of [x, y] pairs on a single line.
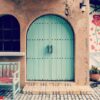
{"points": [[50, 49]]}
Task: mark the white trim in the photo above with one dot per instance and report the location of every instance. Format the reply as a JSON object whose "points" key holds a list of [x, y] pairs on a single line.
{"points": [[12, 54]]}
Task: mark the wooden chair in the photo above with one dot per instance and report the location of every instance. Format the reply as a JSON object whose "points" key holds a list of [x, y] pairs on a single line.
{"points": [[10, 76]]}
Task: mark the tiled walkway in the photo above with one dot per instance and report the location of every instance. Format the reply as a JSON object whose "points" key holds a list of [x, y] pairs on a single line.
{"points": [[94, 96]]}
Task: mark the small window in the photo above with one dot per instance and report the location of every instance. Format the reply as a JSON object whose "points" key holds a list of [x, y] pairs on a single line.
{"points": [[9, 34]]}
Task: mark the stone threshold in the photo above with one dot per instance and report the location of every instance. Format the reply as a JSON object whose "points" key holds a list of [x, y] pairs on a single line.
{"points": [[50, 83], [77, 89]]}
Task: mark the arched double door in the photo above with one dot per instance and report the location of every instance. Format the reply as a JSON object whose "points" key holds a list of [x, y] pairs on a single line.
{"points": [[50, 50]]}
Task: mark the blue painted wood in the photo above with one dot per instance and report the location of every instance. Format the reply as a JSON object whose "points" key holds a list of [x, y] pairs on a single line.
{"points": [[41, 64]]}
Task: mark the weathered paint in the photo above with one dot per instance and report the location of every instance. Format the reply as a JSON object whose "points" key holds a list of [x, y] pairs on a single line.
{"points": [[94, 35]]}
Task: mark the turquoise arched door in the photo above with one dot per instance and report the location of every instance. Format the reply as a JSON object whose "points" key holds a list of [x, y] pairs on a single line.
{"points": [[50, 49]]}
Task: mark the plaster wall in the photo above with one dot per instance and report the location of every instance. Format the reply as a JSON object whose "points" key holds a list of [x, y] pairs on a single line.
{"points": [[28, 10]]}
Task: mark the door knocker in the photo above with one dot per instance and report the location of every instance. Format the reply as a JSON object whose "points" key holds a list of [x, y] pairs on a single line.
{"points": [[50, 49]]}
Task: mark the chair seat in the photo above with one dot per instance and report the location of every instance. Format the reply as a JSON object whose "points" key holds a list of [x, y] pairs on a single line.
{"points": [[1, 98], [5, 80]]}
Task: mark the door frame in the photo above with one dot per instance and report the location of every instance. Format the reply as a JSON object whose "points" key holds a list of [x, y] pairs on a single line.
{"points": [[30, 23]]}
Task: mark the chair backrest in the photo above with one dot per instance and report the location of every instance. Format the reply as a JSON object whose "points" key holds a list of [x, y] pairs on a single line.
{"points": [[8, 68]]}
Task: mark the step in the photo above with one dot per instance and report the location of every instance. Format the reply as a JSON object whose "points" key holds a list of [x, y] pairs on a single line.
{"points": [[49, 83], [58, 89]]}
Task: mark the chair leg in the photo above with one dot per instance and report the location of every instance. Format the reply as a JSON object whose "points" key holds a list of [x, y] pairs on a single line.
{"points": [[19, 86], [13, 92]]}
